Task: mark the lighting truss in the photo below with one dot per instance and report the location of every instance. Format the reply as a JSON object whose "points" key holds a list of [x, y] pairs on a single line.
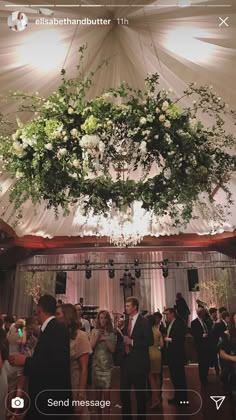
{"points": [[154, 265]]}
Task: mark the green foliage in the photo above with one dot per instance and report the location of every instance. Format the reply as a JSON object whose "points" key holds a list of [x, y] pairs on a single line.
{"points": [[65, 153]]}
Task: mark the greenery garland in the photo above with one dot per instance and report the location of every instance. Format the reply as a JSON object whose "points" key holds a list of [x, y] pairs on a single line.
{"points": [[66, 152]]}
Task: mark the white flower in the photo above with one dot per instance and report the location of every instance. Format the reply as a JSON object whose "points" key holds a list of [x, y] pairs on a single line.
{"points": [[32, 142], [101, 147], [17, 146], [62, 152], [168, 138], [65, 138], [74, 132], [48, 146], [193, 124], [142, 120], [157, 110], [167, 173], [143, 147], [76, 163], [106, 95], [64, 133], [156, 137], [89, 141], [19, 174], [149, 118], [165, 106], [74, 175], [167, 124], [70, 110], [162, 118]]}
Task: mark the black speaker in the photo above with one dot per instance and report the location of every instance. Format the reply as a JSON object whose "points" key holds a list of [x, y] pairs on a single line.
{"points": [[61, 283], [193, 283]]}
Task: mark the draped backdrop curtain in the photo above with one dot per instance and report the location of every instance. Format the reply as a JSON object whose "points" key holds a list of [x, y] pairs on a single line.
{"points": [[99, 290], [152, 289]]}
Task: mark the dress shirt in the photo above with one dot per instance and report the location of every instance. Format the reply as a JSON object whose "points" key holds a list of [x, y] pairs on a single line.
{"points": [[169, 330], [43, 327], [225, 323], [134, 319], [203, 325], [86, 325]]}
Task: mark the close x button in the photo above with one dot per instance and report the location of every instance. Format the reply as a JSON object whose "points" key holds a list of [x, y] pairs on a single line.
{"points": [[224, 21]]}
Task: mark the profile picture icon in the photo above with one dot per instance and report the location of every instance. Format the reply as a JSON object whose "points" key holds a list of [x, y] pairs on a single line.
{"points": [[17, 21]]}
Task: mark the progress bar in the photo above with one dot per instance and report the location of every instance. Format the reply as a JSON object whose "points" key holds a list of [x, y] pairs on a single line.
{"points": [[120, 5]]}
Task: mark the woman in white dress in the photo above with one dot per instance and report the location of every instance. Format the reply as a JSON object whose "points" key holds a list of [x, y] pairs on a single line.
{"points": [[4, 353]]}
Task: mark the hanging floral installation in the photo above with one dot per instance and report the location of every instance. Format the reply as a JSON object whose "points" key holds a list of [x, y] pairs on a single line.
{"points": [[66, 153]]}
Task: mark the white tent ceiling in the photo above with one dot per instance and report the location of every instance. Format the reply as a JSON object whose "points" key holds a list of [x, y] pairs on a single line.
{"points": [[182, 44]]}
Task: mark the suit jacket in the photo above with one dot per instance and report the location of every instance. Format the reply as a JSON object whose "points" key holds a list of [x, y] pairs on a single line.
{"points": [[49, 367], [142, 336], [209, 323], [217, 333], [175, 348], [197, 332]]}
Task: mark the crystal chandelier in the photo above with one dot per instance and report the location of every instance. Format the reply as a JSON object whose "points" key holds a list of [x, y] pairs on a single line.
{"points": [[123, 238], [124, 230]]}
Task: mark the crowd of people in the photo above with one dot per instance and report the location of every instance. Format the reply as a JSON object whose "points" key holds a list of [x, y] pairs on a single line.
{"points": [[58, 349]]}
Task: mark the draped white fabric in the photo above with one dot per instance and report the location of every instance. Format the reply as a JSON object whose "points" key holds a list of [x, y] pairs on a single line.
{"points": [[153, 291], [100, 290]]}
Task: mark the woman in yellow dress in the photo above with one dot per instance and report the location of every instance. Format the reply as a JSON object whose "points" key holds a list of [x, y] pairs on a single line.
{"points": [[156, 362]]}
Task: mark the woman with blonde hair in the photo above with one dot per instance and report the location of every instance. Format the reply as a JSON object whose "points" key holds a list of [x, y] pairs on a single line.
{"points": [[79, 352], [103, 343]]}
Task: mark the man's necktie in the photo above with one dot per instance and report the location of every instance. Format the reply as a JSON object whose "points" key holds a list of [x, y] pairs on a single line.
{"points": [[204, 327], [127, 349]]}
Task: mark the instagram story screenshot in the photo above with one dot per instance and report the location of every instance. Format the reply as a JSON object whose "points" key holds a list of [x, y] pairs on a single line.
{"points": [[118, 209]]}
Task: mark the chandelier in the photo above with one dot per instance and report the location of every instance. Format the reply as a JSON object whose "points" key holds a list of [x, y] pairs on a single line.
{"points": [[125, 230], [123, 238]]}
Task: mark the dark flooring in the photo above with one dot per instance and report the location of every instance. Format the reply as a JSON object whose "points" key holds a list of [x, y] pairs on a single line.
{"points": [[199, 407]]}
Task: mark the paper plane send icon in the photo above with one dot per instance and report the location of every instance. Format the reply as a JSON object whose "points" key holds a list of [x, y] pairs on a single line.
{"points": [[218, 400]]}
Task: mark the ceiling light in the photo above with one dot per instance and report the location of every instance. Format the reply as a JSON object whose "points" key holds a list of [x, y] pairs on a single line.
{"points": [[46, 12], [190, 43], [42, 50], [184, 3]]}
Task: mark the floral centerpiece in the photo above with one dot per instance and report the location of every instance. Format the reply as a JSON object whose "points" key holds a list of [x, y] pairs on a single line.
{"points": [[65, 154]]}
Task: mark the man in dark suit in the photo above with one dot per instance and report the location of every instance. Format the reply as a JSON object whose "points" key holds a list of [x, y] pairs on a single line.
{"points": [[49, 367], [218, 333], [174, 340], [200, 334], [219, 328], [211, 321], [135, 362]]}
